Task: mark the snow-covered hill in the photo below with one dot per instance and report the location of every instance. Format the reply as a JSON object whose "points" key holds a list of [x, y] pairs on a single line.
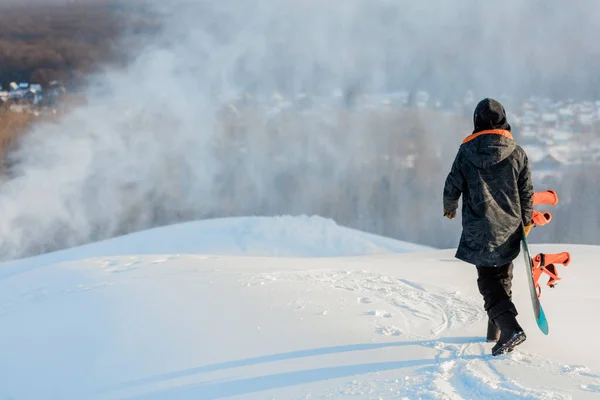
{"points": [[283, 236], [204, 311]]}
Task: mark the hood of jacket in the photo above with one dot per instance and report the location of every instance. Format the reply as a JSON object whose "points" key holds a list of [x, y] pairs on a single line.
{"points": [[489, 114], [487, 148], [491, 141]]}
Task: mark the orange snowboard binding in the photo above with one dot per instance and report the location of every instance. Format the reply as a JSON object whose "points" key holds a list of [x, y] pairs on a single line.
{"points": [[546, 263], [547, 197]]}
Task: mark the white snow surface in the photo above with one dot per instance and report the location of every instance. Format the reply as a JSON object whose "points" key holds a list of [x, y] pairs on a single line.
{"points": [[272, 308], [284, 236]]}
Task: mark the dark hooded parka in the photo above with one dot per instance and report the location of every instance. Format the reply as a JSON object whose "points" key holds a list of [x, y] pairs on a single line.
{"points": [[492, 174]]}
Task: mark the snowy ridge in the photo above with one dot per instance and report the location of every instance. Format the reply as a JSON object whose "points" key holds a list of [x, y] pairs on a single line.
{"points": [[198, 326], [284, 236]]}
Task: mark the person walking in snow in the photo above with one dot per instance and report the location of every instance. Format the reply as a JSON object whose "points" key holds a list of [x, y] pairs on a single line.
{"points": [[492, 174]]}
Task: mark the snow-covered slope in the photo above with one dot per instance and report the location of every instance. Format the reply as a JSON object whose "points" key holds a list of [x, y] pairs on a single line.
{"points": [[283, 236], [86, 324]]}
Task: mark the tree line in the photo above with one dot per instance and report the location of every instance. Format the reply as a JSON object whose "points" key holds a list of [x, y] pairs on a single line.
{"points": [[68, 40]]}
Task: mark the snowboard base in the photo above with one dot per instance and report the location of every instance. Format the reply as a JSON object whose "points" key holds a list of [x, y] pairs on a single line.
{"points": [[540, 316]]}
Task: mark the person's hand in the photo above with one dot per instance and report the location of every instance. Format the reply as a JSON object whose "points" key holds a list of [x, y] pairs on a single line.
{"points": [[450, 214]]}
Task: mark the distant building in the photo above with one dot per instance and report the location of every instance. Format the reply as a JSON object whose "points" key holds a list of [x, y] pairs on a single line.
{"points": [[549, 120], [421, 99]]}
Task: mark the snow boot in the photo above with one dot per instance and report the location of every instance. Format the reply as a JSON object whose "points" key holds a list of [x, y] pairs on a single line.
{"points": [[511, 333], [493, 332]]}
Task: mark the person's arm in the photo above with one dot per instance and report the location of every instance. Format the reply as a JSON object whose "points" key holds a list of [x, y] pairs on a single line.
{"points": [[453, 188], [526, 193]]}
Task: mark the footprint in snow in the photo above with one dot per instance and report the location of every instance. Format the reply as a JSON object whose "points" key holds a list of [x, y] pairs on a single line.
{"points": [[133, 261], [108, 264], [114, 267], [591, 388], [580, 370], [380, 313], [364, 300], [389, 331]]}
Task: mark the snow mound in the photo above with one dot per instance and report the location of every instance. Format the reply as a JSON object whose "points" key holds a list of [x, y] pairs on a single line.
{"points": [[284, 236]]}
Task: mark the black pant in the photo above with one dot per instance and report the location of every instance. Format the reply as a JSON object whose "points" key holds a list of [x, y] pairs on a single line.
{"points": [[495, 285]]}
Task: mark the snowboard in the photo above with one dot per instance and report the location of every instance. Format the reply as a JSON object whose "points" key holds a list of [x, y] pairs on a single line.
{"points": [[540, 316]]}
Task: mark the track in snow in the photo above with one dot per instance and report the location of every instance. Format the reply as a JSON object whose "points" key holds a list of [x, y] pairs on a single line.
{"points": [[462, 367], [396, 335]]}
